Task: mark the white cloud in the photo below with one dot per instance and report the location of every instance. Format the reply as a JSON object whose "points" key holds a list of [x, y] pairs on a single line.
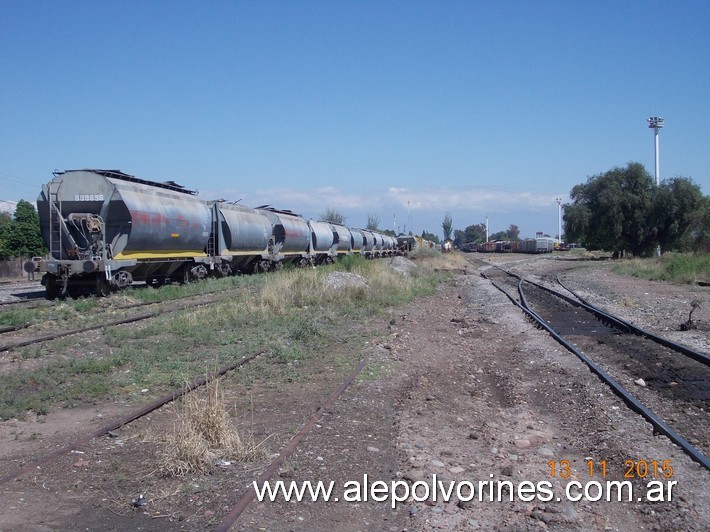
{"points": [[8, 207], [424, 199], [316, 199], [469, 198], [422, 208]]}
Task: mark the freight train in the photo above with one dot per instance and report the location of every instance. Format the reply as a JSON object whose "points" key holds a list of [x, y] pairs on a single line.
{"points": [[105, 229], [529, 245]]}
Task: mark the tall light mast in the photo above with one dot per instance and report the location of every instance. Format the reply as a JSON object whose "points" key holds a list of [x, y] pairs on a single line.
{"points": [[656, 123], [559, 220]]}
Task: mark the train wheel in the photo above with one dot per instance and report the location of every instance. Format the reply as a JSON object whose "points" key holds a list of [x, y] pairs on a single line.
{"points": [[50, 283], [103, 289], [74, 292], [224, 270]]}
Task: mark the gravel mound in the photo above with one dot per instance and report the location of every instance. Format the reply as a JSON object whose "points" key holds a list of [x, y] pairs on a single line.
{"points": [[402, 265], [341, 281]]}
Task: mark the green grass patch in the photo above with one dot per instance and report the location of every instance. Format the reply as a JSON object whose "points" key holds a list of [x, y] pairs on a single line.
{"points": [[681, 268], [288, 314], [15, 317], [65, 383], [348, 263], [208, 286]]}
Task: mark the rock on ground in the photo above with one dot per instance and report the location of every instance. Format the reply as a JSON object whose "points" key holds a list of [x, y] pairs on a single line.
{"points": [[402, 265], [340, 281]]}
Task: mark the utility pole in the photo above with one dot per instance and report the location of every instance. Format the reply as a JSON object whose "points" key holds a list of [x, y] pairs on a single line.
{"points": [[656, 123]]}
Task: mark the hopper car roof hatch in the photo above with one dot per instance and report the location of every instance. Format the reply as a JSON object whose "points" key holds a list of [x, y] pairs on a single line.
{"points": [[117, 174], [277, 211]]}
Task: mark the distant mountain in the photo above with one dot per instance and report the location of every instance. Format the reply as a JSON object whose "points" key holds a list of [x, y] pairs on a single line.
{"points": [[8, 206]]}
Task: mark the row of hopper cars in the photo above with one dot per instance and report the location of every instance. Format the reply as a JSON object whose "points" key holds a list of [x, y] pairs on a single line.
{"points": [[106, 230], [529, 245]]}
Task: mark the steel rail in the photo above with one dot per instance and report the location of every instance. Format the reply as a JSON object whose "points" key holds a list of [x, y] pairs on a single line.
{"points": [[13, 302], [11, 328], [604, 317], [250, 494], [77, 331], [138, 317], [195, 384], [658, 424], [633, 329], [616, 322], [18, 302]]}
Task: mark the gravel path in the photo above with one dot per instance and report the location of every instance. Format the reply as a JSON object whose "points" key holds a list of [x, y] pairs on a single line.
{"points": [[459, 385]]}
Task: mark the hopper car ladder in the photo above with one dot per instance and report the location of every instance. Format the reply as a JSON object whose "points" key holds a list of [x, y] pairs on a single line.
{"points": [[55, 220]]}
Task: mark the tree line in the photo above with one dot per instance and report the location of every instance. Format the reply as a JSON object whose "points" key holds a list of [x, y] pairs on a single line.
{"points": [[20, 234], [624, 212], [621, 210], [477, 234]]}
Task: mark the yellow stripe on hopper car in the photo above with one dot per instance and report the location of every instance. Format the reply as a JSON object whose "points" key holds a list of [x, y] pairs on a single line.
{"points": [[227, 253], [141, 255]]}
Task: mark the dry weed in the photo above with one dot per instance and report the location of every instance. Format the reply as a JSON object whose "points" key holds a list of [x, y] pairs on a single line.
{"points": [[432, 262], [203, 434]]}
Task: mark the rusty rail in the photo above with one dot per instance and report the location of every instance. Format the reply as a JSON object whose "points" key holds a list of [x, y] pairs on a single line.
{"points": [[201, 381], [246, 499], [113, 323]]}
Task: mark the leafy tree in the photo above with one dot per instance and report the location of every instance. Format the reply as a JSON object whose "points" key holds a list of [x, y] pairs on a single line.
{"points": [[459, 237], [513, 232], [373, 221], [430, 236], [699, 229], [333, 216], [25, 212], [674, 206], [611, 211], [577, 219], [447, 225], [622, 210], [5, 219], [475, 233], [500, 235], [22, 236]]}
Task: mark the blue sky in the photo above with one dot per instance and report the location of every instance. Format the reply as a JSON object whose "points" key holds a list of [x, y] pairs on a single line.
{"points": [[403, 109]]}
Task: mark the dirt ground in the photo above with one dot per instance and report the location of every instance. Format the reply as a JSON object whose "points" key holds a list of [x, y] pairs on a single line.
{"points": [[458, 385]]}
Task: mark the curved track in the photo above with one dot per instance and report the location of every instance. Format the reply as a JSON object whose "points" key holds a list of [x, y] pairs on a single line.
{"points": [[671, 382]]}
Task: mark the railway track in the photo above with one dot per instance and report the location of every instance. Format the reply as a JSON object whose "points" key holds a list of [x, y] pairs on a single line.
{"points": [[667, 383], [250, 494], [20, 293], [100, 321], [137, 414], [102, 315]]}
